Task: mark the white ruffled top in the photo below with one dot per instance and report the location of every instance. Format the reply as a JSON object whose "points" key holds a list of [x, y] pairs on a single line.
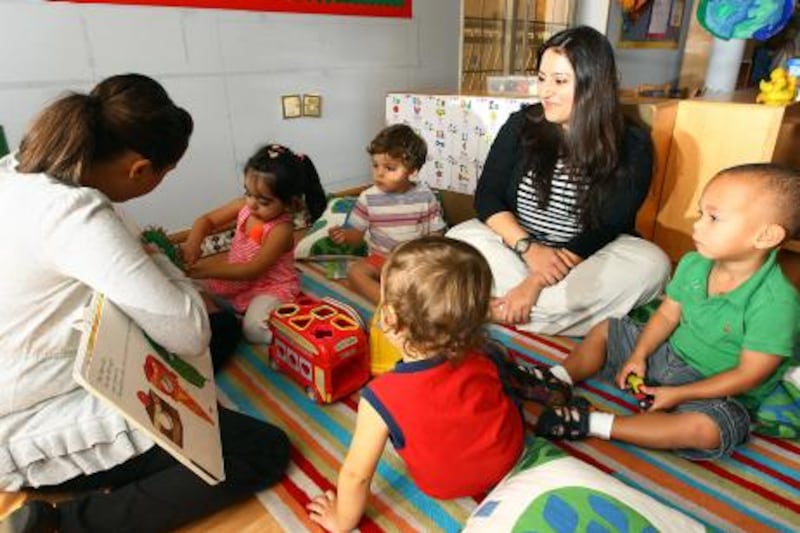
{"points": [[58, 244]]}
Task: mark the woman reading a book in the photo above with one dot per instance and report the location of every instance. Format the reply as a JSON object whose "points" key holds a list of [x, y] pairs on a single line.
{"points": [[63, 240]]}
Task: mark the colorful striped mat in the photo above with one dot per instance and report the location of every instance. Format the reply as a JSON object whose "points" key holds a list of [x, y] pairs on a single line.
{"points": [[758, 488]]}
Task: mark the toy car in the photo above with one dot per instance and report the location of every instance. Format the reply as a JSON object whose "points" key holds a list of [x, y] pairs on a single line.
{"points": [[322, 345], [634, 382]]}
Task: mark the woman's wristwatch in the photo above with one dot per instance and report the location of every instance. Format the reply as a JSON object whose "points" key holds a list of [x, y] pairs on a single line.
{"points": [[522, 245]]}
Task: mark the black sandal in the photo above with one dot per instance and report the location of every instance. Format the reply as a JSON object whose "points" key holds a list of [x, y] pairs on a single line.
{"points": [[539, 385], [569, 422]]}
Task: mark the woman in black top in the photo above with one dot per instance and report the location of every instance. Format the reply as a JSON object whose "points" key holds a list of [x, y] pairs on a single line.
{"points": [[558, 196]]}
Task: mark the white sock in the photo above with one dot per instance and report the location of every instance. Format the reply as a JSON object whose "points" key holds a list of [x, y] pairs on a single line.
{"points": [[561, 373], [600, 425]]}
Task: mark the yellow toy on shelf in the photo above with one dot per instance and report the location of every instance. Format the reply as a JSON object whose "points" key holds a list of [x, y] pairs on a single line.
{"points": [[779, 89]]}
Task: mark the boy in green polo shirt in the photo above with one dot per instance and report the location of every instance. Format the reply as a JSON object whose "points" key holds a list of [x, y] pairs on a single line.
{"points": [[717, 344]]}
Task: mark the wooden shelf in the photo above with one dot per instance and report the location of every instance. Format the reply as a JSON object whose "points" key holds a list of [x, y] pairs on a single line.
{"points": [[710, 135], [792, 246]]}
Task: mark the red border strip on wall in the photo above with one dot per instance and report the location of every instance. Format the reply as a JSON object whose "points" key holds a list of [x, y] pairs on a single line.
{"points": [[328, 7]]}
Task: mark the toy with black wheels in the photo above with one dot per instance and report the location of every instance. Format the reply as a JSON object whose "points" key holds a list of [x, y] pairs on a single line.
{"points": [[634, 383]]}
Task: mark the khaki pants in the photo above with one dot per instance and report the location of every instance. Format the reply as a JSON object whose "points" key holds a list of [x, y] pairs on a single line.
{"points": [[624, 274]]}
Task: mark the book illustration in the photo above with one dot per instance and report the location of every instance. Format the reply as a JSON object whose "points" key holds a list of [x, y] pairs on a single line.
{"points": [[167, 382], [184, 369], [171, 399], [164, 417]]}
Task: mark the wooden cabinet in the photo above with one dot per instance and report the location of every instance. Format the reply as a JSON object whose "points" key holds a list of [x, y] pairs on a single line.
{"points": [[658, 115], [709, 135]]}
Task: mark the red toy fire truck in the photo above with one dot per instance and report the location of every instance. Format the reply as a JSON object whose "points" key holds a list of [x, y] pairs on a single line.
{"points": [[322, 345]]}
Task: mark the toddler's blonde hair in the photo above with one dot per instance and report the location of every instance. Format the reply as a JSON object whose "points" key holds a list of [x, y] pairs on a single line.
{"points": [[440, 291]]}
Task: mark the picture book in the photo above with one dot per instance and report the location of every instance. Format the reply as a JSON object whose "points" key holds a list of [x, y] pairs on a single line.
{"points": [[170, 398]]}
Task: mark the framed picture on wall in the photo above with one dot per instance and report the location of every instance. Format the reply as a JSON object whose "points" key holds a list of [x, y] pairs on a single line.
{"points": [[292, 106], [312, 105], [651, 24]]}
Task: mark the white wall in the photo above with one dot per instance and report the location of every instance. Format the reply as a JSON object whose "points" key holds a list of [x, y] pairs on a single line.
{"points": [[229, 68], [594, 14]]}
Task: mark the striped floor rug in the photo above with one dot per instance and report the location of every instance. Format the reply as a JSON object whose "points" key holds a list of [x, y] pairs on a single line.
{"points": [[758, 488]]}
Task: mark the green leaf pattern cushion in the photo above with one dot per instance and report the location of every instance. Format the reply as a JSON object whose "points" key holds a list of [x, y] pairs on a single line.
{"points": [[550, 491], [317, 245], [779, 414]]}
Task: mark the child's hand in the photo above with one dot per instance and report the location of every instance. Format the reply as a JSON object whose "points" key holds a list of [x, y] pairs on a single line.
{"points": [[634, 365], [190, 254], [664, 398], [199, 270], [322, 510], [336, 233]]}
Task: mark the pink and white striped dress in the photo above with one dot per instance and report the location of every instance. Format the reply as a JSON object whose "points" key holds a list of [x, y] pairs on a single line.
{"points": [[280, 280]]}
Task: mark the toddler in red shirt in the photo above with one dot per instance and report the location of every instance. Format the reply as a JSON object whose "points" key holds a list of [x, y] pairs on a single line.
{"points": [[443, 406]]}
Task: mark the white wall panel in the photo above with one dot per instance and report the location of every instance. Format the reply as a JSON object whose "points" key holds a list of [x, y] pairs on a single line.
{"points": [[42, 43], [137, 39], [229, 69]]}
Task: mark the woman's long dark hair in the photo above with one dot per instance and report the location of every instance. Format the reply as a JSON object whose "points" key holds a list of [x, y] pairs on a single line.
{"points": [[590, 145], [124, 112]]}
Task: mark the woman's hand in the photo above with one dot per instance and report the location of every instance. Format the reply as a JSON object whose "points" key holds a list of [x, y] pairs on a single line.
{"points": [[515, 306], [571, 259], [322, 510], [150, 248], [551, 264]]}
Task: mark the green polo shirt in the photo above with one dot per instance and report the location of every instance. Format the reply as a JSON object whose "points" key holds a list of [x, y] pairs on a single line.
{"points": [[762, 314]]}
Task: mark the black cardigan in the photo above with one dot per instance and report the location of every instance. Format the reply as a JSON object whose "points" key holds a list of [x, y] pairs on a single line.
{"points": [[503, 170]]}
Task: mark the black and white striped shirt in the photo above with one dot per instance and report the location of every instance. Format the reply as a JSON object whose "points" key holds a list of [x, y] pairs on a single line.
{"points": [[559, 221]]}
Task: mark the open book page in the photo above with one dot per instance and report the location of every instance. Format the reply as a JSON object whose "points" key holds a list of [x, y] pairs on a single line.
{"points": [[172, 399]]}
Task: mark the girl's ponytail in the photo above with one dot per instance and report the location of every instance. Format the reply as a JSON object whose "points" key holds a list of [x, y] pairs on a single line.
{"points": [[313, 192], [291, 177]]}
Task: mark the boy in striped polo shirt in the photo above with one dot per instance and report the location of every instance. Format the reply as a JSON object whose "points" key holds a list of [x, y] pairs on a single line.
{"points": [[393, 210]]}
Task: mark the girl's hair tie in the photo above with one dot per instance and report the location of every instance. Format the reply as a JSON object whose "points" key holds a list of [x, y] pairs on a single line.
{"points": [[274, 151]]}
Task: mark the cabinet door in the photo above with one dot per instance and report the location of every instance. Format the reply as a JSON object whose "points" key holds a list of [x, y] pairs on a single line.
{"points": [[708, 137], [659, 117]]}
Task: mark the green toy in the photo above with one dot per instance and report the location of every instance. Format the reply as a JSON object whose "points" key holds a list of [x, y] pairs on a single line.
{"points": [[157, 236]]}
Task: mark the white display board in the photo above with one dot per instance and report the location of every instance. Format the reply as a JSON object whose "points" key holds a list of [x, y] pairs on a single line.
{"points": [[459, 131]]}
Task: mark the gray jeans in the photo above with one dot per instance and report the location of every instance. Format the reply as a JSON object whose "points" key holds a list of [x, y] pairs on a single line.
{"points": [[665, 367]]}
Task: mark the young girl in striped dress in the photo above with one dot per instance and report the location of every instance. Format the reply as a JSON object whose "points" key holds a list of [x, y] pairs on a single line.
{"points": [[259, 272]]}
